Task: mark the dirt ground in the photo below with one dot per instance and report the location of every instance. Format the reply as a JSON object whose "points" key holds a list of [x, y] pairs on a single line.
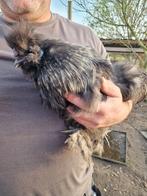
{"points": [[130, 179]]}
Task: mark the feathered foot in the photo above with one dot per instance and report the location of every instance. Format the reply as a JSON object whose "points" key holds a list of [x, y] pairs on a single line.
{"points": [[82, 140], [89, 141]]}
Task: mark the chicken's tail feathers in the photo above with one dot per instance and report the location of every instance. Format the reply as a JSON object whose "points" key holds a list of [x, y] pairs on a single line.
{"points": [[127, 78]]}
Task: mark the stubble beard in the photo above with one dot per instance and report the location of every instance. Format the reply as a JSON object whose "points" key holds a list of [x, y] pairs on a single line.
{"points": [[23, 6]]}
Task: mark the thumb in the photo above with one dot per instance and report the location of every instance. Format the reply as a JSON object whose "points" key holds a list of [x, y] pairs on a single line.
{"points": [[110, 89]]}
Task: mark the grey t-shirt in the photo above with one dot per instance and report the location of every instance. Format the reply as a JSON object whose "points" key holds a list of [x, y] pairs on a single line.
{"points": [[33, 158]]}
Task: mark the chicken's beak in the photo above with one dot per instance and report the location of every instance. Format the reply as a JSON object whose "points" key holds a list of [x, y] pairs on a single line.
{"points": [[18, 62]]}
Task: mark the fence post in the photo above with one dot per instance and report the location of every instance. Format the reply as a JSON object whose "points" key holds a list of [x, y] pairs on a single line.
{"points": [[70, 9]]}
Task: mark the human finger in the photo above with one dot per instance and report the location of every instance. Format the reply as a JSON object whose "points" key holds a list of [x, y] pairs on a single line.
{"points": [[76, 100], [110, 89], [83, 116]]}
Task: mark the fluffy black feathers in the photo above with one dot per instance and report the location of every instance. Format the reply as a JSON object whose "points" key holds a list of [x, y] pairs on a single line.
{"points": [[59, 68]]}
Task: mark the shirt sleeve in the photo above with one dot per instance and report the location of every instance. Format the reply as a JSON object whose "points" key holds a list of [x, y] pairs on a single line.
{"points": [[98, 46]]}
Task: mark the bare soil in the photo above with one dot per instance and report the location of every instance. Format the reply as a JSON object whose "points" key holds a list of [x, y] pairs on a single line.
{"points": [[130, 179]]}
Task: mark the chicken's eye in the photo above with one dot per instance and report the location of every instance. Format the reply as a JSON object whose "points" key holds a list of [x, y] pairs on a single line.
{"points": [[22, 52]]}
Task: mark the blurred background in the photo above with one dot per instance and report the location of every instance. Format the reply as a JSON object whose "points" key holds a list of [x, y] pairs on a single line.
{"points": [[121, 25]]}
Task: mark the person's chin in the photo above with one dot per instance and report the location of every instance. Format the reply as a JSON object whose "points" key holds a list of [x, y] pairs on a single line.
{"points": [[25, 10], [30, 8]]}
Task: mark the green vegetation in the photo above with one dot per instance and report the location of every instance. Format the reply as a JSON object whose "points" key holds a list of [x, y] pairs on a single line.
{"points": [[118, 19]]}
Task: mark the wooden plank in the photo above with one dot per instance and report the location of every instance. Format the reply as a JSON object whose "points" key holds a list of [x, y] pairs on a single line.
{"points": [[124, 50]]}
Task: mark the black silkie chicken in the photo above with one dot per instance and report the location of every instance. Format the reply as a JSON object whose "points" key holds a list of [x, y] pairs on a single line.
{"points": [[58, 68]]}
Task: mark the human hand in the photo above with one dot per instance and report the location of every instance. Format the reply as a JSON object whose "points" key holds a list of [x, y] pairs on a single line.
{"points": [[108, 113]]}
